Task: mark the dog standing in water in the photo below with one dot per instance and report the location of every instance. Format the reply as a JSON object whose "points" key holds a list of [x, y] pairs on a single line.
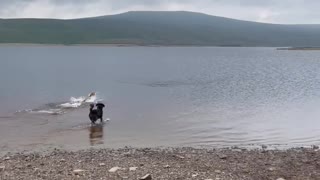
{"points": [[95, 114]]}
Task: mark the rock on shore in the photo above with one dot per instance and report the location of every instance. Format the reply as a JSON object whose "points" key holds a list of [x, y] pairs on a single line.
{"points": [[170, 163]]}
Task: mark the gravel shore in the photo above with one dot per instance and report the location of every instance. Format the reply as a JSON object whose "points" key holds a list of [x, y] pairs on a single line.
{"points": [[169, 163]]}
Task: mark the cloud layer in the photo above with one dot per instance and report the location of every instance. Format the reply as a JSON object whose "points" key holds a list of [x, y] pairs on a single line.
{"points": [[271, 11]]}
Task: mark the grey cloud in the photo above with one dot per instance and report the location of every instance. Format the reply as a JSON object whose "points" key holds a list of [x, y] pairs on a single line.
{"points": [[273, 11]]}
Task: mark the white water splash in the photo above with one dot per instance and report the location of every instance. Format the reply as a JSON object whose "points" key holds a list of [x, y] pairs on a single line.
{"points": [[61, 108]]}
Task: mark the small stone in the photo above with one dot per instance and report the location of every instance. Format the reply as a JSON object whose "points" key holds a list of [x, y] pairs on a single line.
{"points": [[78, 171], [195, 175], [246, 170], [280, 179], [114, 169], [6, 158], [146, 177], [222, 156], [208, 179], [180, 157], [264, 147], [2, 168], [133, 168], [29, 165], [166, 166], [217, 171], [62, 160], [36, 169], [237, 150], [306, 161], [272, 169], [102, 164], [235, 147]]}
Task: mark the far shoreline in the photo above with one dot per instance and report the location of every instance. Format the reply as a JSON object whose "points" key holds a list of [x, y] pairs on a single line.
{"points": [[299, 49], [155, 45], [124, 45]]}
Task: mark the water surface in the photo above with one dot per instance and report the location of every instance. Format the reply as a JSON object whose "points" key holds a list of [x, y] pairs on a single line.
{"points": [[158, 96]]}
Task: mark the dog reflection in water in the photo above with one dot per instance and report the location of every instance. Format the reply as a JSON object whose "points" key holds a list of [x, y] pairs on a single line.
{"points": [[96, 134]]}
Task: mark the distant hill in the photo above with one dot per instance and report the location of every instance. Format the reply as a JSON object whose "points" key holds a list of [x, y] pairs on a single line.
{"points": [[157, 28]]}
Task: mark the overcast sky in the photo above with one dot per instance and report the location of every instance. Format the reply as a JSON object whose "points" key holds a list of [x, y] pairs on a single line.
{"points": [[271, 11]]}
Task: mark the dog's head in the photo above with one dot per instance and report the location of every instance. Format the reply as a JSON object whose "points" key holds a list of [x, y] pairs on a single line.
{"points": [[92, 94], [100, 105]]}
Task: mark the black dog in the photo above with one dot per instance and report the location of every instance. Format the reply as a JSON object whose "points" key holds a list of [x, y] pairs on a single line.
{"points": [[100, 107], [96, 114]]}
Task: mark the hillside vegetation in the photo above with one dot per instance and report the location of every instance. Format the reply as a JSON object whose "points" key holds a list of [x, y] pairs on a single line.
{"points": [[157, 28]]}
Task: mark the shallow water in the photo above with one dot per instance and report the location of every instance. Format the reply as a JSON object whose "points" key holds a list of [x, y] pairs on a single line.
{"points": [[157, 96]]}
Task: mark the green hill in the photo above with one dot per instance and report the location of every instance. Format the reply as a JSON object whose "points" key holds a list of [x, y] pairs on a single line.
{"points": [[157, 28]]}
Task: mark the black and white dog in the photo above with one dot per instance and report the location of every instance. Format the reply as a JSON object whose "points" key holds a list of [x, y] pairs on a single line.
{"points": [[96, 114]]}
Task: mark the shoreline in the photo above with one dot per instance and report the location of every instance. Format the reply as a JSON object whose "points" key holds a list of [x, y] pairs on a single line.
{"points": [[54, 45], [124, 45], [156, 45], [167, 163], [299, 49]]}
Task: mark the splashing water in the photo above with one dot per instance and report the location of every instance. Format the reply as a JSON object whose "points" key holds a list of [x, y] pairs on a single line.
{"points": [[61, 108], [77, 102]]}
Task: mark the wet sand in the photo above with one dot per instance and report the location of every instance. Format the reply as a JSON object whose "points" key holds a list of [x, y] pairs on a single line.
{"points": [[169, 163]]}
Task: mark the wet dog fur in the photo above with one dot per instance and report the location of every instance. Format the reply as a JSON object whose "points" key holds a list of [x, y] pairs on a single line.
{"points": [[96, 114]]}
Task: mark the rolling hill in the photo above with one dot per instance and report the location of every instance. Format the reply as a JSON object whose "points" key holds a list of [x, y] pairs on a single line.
{"points": [[157, 28]]}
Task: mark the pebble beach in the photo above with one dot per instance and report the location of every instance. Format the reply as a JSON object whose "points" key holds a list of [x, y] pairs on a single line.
{"points": [[164, 164]]}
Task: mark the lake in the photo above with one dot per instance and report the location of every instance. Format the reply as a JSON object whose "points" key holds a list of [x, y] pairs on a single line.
{"points": [[158, 97]]}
